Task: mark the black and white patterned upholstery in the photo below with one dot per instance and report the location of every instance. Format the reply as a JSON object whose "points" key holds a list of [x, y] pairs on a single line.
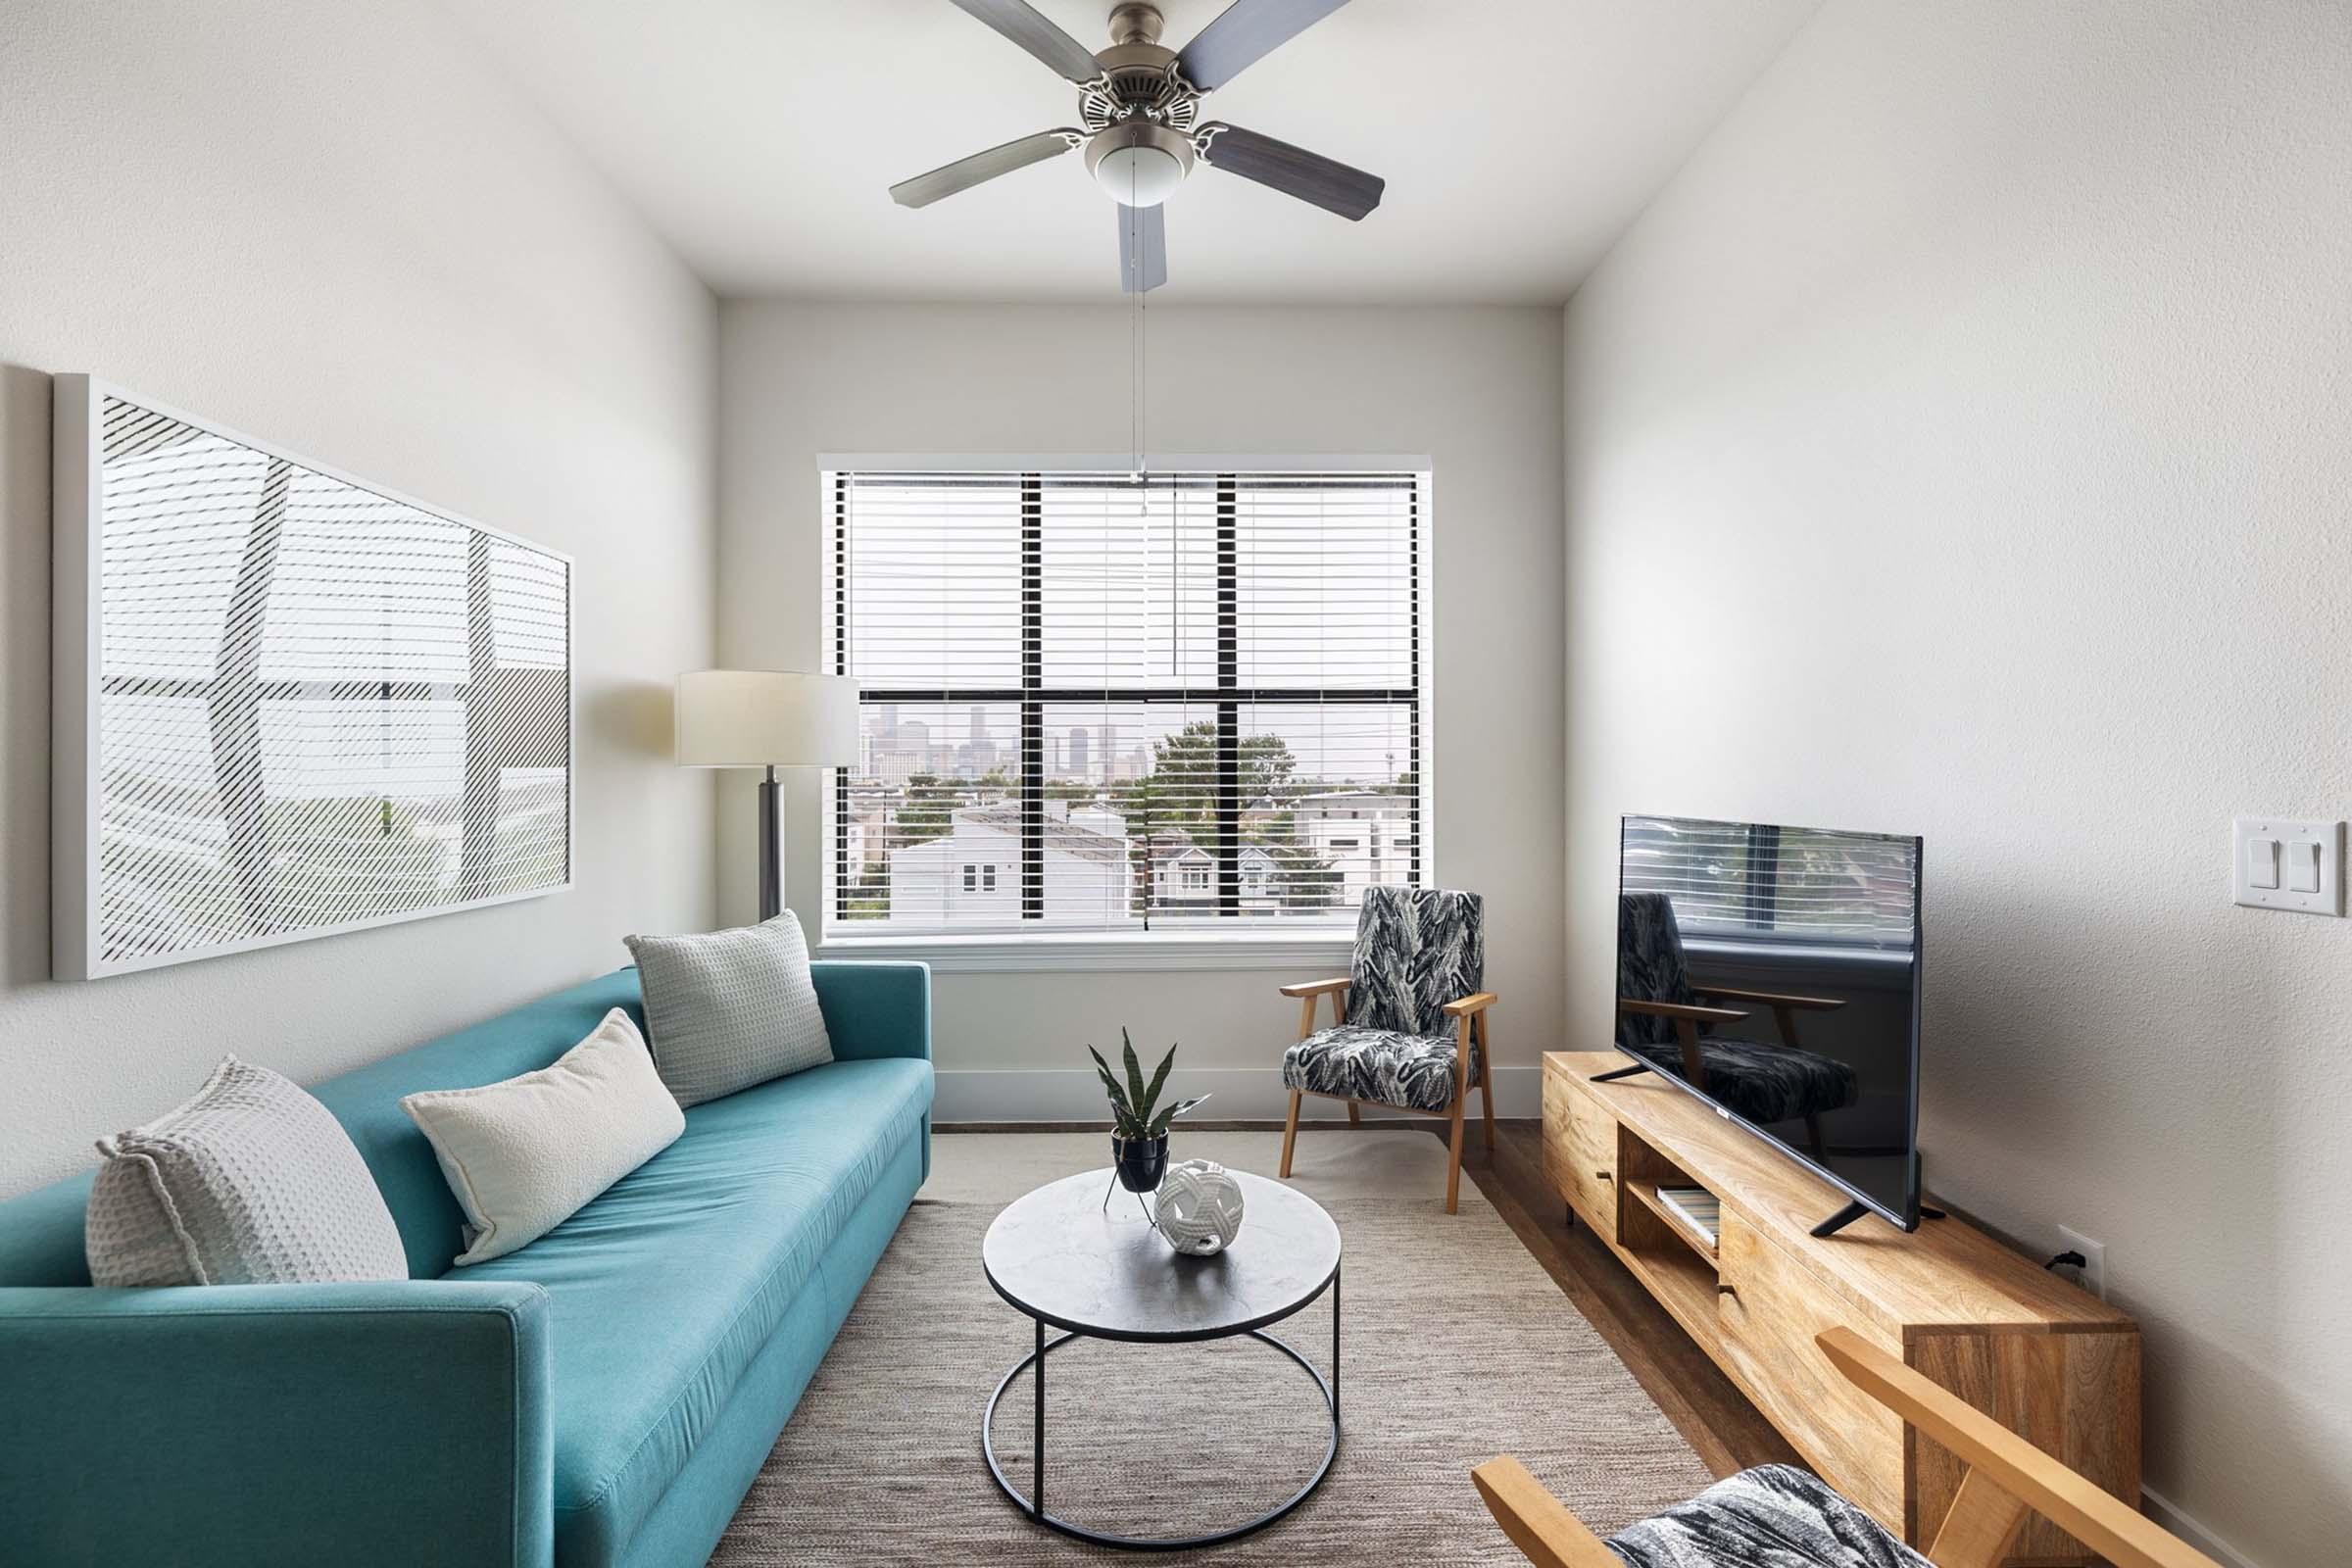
{"points": [[1416, 950], [1650, 967], [1380, 1065], [1774, 1516], [1764, 1082]]}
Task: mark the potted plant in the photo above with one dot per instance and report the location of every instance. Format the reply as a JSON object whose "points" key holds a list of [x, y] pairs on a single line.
{"points": [[1139, 1128]]}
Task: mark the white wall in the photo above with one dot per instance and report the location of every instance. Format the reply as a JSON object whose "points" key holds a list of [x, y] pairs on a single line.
{"points": [[1962, 443], [329, 226], [1475, 389]]}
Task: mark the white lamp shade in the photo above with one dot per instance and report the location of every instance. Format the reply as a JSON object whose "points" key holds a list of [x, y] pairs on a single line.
{"points": [[763, 718]]}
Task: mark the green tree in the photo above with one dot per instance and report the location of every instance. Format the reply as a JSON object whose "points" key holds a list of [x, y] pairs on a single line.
{"points": [[868, 899], [1181, 790], [930, 804]]}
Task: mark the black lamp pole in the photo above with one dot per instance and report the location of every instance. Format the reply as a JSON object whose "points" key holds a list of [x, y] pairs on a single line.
{"points": [[771, 870]]}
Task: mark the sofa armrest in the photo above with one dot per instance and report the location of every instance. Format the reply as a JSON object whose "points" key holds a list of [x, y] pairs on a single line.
{"points": [[875, 1008], [354, 1425]]}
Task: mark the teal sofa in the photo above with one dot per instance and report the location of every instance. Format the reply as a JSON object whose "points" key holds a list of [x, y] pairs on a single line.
{"points": [[603, 1396]]}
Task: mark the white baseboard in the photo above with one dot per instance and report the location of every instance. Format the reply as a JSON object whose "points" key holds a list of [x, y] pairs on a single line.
{"points": [[1238, 1094], [2161, 1509]]}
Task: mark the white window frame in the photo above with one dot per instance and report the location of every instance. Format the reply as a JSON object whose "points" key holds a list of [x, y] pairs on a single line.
{"points": [[1056, 950]]}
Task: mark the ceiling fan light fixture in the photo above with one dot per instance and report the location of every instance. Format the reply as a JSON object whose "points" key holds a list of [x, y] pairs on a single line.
{"points": [[1139, 121], [1139, 164]]}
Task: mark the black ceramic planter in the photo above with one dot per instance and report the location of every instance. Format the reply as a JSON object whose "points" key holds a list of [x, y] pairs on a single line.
{"points": [[1142, 1161]]}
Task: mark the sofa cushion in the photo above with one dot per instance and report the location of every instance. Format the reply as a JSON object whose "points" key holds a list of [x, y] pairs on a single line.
{"points": [[250, 1181], [528, 1152], [728, 1010], [665, 1288], [366, 1101]]}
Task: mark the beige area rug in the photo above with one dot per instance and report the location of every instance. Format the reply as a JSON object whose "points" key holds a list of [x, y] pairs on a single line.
{"points": [[1455, 1345]]}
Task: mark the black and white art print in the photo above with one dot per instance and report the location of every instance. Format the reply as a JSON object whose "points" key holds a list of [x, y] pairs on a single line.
{"points": [[287, 703]]}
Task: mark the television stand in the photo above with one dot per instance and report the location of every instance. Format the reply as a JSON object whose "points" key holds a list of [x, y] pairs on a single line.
{"points": [[2051, 1363], [1842, 1219]]}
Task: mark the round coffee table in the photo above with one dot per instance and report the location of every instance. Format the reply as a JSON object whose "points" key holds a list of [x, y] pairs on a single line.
{"points": [[1056, 1256]]}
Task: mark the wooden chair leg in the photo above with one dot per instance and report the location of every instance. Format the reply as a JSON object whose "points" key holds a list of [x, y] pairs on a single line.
{"points": [[1355, 1114], [1290, 1135], [1453, 1162], [1485, 1078]]}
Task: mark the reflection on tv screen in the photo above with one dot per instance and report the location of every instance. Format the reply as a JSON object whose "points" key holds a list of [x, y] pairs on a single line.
{"points": [[1775, 971]]}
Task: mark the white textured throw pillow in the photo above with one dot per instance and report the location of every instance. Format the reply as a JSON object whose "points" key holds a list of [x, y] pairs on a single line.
{"points": [[728, 1010], [527, 1155], [251, 1182]]}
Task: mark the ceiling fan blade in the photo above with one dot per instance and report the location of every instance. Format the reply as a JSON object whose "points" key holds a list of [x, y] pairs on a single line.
{"points": [[1294, 170], [1018, 21], [1143, 248], [965, 172], [1247, 32]]}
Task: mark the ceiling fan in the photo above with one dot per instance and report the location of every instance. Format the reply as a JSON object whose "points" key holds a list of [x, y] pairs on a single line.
{"points": [[1138, 107]]}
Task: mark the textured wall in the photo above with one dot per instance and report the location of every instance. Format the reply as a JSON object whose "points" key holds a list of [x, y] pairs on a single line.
{"points": [[1475, 389], [1962, 443], [330, 226]]}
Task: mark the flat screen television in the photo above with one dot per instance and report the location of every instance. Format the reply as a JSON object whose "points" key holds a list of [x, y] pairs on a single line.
{"points": [[1774, 972]]}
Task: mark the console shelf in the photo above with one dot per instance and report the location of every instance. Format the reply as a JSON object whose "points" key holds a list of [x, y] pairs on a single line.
{"points": [[1646, 1195], [2054, 1364]]}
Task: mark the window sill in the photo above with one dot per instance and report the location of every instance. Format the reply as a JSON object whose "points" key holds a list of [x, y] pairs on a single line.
{"points": [[1000, 954]]}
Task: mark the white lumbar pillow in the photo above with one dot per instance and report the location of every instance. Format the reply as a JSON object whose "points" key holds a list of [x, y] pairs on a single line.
{"points": [[524, 1155], [251, 1182]]}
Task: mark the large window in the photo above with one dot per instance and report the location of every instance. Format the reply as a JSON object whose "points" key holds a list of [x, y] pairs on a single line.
{"points": [[1093, 703]]}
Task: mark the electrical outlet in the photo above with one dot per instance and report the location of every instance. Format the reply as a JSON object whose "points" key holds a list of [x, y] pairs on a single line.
{"points": [[2092, 1276]]}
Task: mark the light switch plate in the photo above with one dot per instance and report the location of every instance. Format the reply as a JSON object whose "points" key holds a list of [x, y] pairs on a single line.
{"points": [[2287, 832]]}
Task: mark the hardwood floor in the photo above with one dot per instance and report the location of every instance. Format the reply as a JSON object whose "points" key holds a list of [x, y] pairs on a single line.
{"points": [[1714, 1417]]}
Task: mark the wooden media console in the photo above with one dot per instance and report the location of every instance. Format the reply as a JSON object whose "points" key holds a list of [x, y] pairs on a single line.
{"points": [[2048, 1360]]}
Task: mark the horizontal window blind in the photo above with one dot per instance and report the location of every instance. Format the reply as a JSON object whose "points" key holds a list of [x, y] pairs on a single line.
{"points": [[1752, 881], [1096, 702]]}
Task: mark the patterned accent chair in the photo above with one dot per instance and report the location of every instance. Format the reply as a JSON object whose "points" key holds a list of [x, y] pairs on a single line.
{"points": [[1778, 1516], [1408, 1023], [1669, 1024]]}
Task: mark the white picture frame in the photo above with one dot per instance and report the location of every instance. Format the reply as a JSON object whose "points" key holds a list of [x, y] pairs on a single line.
{"points": [[197, 812]]}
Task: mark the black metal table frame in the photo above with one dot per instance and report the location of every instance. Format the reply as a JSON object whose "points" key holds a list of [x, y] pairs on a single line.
{"points": [[1034, 1504]]}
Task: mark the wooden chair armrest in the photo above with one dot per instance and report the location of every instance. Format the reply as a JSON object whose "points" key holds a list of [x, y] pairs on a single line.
{"points": [[1677, 1009], [1318, 988], [1538, 1524], [2092, 1515], [1476, 1002], [1771, 998]]}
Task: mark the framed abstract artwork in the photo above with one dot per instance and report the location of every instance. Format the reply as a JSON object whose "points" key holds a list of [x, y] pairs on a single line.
{"points": [[287, 703]]}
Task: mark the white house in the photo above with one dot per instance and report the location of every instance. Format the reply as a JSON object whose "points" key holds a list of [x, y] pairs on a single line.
{"points": [[1366, 835], [1186, 881], [972, 875]]}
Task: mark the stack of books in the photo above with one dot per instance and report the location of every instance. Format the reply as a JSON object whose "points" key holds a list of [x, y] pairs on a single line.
{"points": [[1697, 1208]]}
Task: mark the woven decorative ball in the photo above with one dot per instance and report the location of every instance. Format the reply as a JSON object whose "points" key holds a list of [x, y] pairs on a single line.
{"points": [[1200, 1208]]}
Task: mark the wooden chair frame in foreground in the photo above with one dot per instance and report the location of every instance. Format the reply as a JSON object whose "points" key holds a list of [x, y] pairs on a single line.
{"points": [[2005, 1476], [1469, 1014]]}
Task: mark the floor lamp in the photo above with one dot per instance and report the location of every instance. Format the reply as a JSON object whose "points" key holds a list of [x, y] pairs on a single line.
{"points": [[767, 719]]}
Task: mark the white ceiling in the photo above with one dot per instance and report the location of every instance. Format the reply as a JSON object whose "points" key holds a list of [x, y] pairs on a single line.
{"points": [[1518, 137]]}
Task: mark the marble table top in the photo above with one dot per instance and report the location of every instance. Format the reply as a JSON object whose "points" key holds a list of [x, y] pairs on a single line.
{"points": [[1058, 1255]]}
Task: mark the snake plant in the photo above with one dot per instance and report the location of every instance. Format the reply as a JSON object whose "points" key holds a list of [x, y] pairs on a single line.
{"points": [[1134, 1104]]}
